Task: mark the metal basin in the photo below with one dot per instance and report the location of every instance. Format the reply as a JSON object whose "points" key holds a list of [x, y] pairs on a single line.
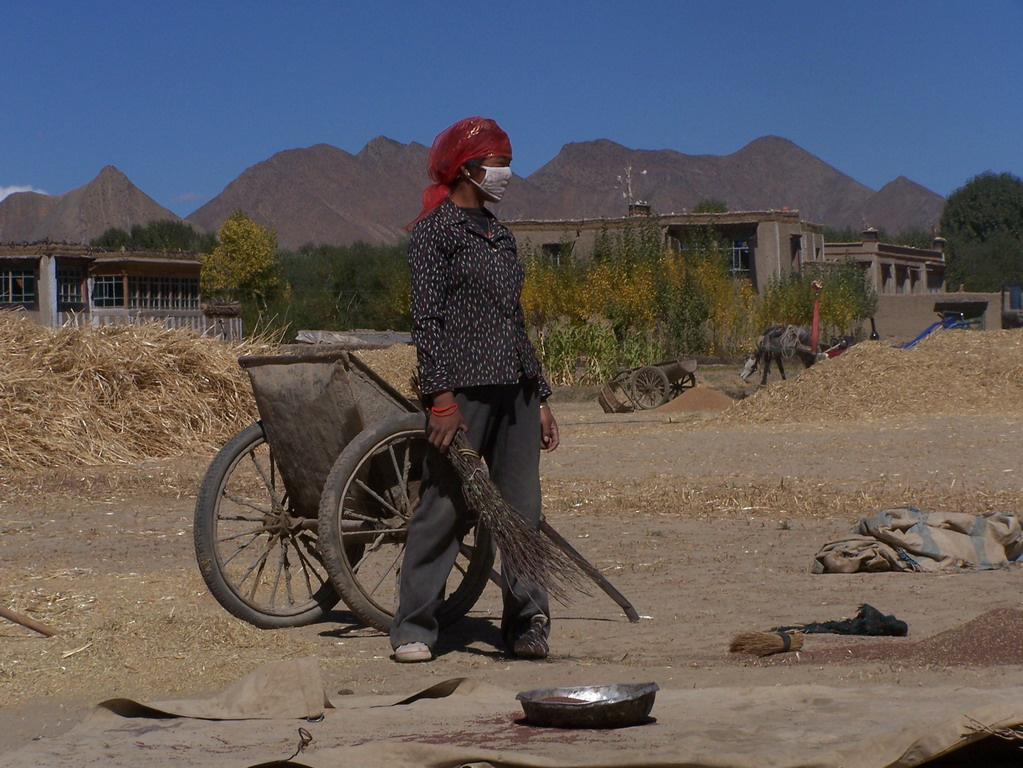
{"points": [[616, 705]]}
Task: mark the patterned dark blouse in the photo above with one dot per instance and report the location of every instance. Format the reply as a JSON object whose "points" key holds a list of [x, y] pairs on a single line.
{"points": [[467, 319]]}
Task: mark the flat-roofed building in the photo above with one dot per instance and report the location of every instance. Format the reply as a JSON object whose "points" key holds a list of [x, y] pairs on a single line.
{"points": [[760, 244], [58, 284], [894, 269]]}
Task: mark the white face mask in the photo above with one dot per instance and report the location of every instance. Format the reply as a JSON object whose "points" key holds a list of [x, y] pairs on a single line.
{"points": [[495, 180]]}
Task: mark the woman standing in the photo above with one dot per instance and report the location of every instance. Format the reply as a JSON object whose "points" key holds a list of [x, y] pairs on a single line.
{"points": [[479, 374]]}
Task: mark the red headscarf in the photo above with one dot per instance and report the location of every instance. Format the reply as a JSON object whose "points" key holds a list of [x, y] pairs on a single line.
{"points": [[454, 146]]}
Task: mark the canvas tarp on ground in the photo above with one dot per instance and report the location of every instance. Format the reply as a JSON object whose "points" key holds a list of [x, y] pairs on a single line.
{"points": [[908, 539], [466, 722]]}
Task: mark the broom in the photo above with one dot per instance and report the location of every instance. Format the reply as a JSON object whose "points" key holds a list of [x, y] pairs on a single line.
{"points": [[766, 643], [525, 550]]}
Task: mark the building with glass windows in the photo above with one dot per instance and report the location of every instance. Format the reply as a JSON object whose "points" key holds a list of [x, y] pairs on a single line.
{"points": [[60, 284], [760, 244]]}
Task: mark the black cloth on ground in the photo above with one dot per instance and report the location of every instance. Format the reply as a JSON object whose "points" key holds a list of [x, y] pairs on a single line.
{"points": [[868, 621]]}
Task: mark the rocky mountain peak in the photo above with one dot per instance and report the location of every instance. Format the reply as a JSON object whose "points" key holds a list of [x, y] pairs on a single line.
{"points": [[322, 194], [84, 213]]}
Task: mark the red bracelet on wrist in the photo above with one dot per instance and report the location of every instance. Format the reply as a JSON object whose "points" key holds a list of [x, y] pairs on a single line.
{"points": [[447, 410]]}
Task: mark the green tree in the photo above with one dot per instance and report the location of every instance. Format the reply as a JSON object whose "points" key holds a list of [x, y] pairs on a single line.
{"points": [[167, 235], [711, 206], [112, 239], [244, 264], [650, 301], [983, 223], [914, 238], [850, 235], [846, 299], [346, 287]]}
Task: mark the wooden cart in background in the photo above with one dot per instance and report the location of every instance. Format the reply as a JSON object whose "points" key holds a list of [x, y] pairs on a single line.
{"points": [[649, 386]]}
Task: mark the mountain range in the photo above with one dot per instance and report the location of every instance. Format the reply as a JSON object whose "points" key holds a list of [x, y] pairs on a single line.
{"points": [[78, 216], [322, 194]]}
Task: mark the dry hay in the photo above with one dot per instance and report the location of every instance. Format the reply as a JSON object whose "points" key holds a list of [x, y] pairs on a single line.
{"points": [[949, 372], [768, 503], [112, 644], [91, 396], [395, 364]]}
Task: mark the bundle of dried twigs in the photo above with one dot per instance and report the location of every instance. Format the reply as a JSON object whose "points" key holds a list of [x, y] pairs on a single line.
{"points": [[766, 643], [525, 549]]}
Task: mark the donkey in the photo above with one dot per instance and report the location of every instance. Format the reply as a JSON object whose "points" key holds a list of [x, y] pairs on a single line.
{"points": [[775, 344]]}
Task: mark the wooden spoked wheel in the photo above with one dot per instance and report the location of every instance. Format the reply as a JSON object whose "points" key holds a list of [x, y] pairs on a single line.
{"points": [[650, 387], [260, 560], [368, 500]]}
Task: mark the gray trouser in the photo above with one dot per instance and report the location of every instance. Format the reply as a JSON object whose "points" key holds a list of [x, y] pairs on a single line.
{"points": [[503, 424]]}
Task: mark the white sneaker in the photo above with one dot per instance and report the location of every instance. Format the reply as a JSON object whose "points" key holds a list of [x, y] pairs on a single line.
{"points": [[412, 652]]}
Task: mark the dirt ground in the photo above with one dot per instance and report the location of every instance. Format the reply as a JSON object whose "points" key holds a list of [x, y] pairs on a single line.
{"points": [[709, 530]]}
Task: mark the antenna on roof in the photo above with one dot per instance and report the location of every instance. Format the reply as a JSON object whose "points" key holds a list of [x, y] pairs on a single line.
{"points": [[627, 180]]}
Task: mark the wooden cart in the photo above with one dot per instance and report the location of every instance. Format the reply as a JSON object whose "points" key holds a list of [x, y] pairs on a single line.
{"points": [[648, 386]]}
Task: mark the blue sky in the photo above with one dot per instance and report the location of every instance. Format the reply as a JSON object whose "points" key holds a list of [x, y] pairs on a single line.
{"points": [[182, 96]]}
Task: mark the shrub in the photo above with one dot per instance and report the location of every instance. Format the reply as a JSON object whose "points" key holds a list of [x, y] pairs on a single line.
{"points": [[845, 301], [634, 302]]}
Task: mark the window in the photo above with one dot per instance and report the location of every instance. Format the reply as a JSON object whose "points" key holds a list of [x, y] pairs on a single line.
{"points": [[17, 285], [557, 253], [147, 292], [901, 279], [108, 291], [69, 285], [739, 253], [1015, 296]]}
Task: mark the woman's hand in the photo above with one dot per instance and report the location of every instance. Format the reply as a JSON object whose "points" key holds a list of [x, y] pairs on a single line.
{"points": [[441, 430], [549, 437]]}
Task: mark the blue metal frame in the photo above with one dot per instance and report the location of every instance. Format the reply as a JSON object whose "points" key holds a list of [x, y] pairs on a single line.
{"points": [[945, 323]]}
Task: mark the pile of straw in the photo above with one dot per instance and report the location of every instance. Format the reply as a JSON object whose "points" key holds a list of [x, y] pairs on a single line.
{"points": [[91, 396], [948, 372], [395, 364]]}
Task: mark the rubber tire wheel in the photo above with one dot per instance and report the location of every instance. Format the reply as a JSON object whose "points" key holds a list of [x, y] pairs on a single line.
{"points": [[458, 601], [650, 387], [204, 533]]}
